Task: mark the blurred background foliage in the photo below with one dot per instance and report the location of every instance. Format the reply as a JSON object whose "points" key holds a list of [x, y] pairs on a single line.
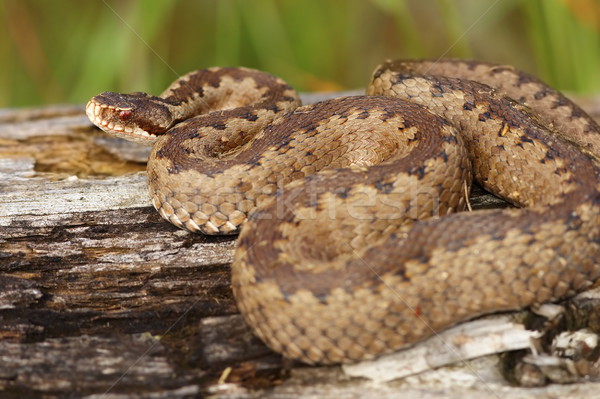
{"points": [[68, 50]]}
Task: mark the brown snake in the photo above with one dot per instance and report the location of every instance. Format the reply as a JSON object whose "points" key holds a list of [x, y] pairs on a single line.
{"points": [[350, 247]]}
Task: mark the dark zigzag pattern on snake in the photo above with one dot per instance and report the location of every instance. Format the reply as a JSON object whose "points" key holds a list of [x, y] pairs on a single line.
{"points": [[339, 258]]}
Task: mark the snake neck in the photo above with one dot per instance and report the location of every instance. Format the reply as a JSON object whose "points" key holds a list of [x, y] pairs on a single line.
{"points": [[210, 93]]}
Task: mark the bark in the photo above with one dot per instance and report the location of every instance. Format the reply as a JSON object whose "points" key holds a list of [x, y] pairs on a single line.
{"points": [[101, 298]]}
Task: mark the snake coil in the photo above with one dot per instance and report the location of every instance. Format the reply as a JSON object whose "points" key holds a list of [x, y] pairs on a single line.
{"points": [[351, 245]]}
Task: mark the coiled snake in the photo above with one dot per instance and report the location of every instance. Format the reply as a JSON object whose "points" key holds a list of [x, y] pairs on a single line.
{"points": [[349, 245]]}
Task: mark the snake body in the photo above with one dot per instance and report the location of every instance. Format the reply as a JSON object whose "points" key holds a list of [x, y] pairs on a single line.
{"points": [[350, 244]]}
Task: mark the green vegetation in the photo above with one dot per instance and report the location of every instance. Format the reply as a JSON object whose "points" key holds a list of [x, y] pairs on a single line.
{"points": [[68, 50]]}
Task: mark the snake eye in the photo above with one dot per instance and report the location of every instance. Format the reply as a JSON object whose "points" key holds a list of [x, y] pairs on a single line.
{"points": [[124, 115]]}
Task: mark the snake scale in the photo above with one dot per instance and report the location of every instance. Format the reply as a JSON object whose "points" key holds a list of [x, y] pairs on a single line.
{"points": [[350, 244]]}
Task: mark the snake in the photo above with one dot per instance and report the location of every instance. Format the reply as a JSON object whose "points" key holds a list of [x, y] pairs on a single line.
{"points": [[354, 240]]}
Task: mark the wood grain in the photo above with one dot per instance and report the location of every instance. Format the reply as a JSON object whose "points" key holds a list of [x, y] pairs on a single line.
{"points": [[101, 298]]}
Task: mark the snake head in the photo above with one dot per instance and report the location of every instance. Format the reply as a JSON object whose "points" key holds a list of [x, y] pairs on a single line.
{"points": [[137, 117]]}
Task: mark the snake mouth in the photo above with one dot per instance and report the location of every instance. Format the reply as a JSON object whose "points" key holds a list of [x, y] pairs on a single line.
{"points": [[106, 118]]}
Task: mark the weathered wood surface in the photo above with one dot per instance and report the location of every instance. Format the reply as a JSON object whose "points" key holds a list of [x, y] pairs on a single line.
{"points": [[100, 298]]}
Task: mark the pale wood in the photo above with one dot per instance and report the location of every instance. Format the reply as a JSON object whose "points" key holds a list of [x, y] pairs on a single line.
{"points": [[101, 298]]}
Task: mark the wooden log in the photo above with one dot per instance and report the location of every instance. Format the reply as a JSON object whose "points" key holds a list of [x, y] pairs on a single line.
{"points": [[101, 298]]}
